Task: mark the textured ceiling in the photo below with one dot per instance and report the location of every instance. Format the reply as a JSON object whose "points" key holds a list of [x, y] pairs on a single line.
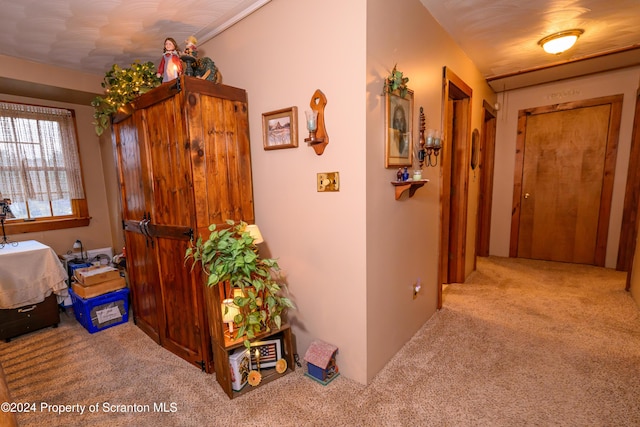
{"points": [[92, 35], [501, 36]]}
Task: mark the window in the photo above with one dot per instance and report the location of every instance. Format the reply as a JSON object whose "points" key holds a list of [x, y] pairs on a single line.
{"points": [[40, 169]]}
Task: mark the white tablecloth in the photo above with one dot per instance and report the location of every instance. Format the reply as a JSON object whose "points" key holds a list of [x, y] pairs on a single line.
{"points": [[30, 272]]}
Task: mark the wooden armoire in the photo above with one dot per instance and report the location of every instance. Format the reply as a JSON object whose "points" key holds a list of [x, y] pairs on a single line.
{"points": [[183, 157]]}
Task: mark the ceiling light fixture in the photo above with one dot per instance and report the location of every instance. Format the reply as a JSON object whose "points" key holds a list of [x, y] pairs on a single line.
{"points": [[561, 41]]}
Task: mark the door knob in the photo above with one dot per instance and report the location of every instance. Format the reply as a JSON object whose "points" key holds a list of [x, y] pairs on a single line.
{"points": [[526, 195]]}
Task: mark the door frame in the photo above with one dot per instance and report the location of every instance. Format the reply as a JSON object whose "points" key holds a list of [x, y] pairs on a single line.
{"points": [[454, 172], [630, 217], [486, 165], [608, 174]]}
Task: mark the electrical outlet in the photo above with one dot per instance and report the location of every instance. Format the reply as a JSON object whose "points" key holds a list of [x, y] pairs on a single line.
{"points": [[416, 288], [329, 181]]}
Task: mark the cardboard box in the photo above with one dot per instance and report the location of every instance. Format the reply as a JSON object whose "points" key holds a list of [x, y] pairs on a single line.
{"points": [[84, 291], [96, 274], [239, 365]]}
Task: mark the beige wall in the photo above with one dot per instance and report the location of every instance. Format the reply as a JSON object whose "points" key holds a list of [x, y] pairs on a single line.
{"points": [[403, 236], [352, 256], [281, 54], [616, 82]]}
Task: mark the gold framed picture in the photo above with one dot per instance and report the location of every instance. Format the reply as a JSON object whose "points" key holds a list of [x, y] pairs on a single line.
{"points": [[398, 124], [280, 129]]}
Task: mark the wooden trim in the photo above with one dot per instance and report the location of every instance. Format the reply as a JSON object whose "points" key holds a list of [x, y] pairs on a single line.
{"points": [[611, 155], [630, 220], [39, 226], [517, 183], [187, 84], [456, 97], [485, 190]]}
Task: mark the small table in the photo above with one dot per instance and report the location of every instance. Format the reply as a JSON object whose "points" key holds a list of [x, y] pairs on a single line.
{"points": [[30, 272]]}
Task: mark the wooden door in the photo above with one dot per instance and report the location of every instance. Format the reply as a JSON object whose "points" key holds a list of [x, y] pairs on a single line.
{"points": [[141, 264], [171, 224], [566, 170]]}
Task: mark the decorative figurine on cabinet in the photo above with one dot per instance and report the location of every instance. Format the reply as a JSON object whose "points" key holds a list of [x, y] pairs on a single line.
{"points": [[321, 362], [191, 46], [170, 66], [202, 68]]}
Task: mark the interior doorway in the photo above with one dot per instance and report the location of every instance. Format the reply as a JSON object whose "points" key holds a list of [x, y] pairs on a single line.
{"points": [[486, 165], [456, 123], [563, 184]]}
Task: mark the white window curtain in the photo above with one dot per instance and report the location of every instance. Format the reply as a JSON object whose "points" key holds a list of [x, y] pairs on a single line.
{"points": [[38, 154]]}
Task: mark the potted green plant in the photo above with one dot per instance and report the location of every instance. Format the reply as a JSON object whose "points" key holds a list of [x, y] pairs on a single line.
{"points": [[231, 255], [122, 85]]}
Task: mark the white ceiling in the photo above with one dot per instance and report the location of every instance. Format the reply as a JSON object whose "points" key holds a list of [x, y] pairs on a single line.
{"points": [[500, 36], [92, 35]]}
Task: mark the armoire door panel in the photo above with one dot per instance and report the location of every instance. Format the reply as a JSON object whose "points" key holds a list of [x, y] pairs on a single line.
{"points": [[173, 202], [182, 298], [130, 167], [221, 159], [144, 284]]}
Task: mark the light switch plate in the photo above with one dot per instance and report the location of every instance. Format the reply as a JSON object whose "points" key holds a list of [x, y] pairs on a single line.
{"points": [[328, 181]]}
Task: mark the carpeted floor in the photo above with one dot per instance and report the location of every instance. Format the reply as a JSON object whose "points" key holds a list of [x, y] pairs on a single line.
{"points": [[522, 343]]}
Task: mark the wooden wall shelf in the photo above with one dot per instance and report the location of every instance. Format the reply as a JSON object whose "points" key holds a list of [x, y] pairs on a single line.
{"points": [[412, 186]]}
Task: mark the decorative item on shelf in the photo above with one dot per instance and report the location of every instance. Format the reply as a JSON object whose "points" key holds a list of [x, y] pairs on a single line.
{"points": [[230, 256], [122, 85], [239, 366], [5, 212], [429, 146], [318, 137], [266, 354], [281, 366], [255, 378], [229, 313], [170, 67], [396, 82], [202, 68]]}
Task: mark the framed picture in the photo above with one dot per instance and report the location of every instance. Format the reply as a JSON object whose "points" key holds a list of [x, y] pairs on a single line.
{"points": [[269, 352], [398, 125], [280, 129]]}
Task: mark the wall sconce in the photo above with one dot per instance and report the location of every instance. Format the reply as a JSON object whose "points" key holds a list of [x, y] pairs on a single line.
{"points": [[429, 146], [318, 138]]}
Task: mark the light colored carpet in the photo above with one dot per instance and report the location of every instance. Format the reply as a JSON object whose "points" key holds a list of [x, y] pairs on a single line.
{"points": [[522, 343]]}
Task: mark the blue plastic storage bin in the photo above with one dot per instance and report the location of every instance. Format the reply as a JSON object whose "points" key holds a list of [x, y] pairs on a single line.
{"points": [[103, 311]]}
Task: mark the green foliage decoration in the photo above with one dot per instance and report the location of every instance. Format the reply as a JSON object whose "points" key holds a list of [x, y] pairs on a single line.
{"points": [[122, 85], [230, 255], [396, 82]]}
